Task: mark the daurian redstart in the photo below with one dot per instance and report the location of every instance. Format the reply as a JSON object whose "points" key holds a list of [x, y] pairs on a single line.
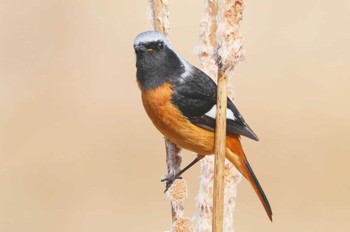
{"points": [[180, 100]]}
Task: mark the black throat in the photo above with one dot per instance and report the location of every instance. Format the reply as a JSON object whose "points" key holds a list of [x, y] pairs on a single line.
{"points": [[157, 67]]}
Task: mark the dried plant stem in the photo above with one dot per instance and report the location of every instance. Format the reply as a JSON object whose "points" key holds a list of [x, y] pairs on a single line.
{"points": [[207, 43], [178, 191], [221, 44], [220, 151], [159, 17]]}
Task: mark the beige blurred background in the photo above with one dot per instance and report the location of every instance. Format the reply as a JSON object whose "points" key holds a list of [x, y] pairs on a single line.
{"points": [[78, 153]]}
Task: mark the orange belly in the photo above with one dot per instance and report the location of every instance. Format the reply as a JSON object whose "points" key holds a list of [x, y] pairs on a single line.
{"points": [[168, 119], [172, 124]]}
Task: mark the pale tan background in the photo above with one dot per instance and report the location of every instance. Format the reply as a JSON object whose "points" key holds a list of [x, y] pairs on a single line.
{"points": [[77, 152]]}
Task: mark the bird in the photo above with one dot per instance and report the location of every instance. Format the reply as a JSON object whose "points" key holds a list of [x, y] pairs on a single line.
{"points": [[180, 100]]}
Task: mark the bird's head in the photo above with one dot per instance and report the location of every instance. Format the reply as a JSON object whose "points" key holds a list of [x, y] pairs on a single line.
{"points": [[150, 43], [156, 62]]}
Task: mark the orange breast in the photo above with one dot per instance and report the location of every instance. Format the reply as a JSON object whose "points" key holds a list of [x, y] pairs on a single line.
{"points": [[168, 119]]}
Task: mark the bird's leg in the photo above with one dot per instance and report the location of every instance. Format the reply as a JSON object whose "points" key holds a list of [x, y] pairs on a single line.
{"points": [[171, 178]]}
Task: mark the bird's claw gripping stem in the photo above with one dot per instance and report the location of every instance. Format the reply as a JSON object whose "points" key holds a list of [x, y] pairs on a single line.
{"points": [[170, 180]]}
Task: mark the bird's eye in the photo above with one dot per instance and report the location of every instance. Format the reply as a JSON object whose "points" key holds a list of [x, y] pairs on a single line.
{"points": [[160, 45]]}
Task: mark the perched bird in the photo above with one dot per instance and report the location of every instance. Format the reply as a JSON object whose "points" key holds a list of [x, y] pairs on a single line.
{"points": [[180, 100]]}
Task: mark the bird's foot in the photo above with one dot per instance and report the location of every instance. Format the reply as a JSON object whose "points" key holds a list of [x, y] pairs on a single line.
{"points": [[170, 180]]}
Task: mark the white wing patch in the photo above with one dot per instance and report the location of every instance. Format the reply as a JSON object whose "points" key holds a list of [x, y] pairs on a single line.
{"points": [[187, 71], [212, 113]]}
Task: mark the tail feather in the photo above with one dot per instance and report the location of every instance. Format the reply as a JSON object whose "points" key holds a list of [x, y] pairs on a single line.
{"points": [[241, 163], [258, 189]]}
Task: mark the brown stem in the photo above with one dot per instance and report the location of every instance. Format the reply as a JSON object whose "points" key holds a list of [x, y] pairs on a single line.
{"points": [[173, 160], [220, 151]]}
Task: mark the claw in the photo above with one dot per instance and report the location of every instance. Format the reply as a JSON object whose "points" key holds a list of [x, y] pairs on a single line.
{"points": [[169, 181], [171, 178]]}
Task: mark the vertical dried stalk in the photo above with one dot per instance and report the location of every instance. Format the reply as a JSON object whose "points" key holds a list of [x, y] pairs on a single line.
{"points": [[173, 160], [221, 20], [220, 151], [159, 17], [204, 203], [230, 42]]}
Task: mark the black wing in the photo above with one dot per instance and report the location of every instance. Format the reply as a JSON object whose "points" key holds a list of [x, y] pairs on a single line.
{"points": [[195, 95]]}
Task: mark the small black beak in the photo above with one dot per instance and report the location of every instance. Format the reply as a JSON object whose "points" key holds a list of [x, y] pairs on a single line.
{"points": [[139, 48]]}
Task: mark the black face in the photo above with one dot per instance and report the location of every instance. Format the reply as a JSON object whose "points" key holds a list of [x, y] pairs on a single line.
{"points": [[156, 63]]}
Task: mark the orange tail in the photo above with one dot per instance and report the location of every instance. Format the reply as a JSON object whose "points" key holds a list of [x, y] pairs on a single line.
{"points": [[236, 155]]}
